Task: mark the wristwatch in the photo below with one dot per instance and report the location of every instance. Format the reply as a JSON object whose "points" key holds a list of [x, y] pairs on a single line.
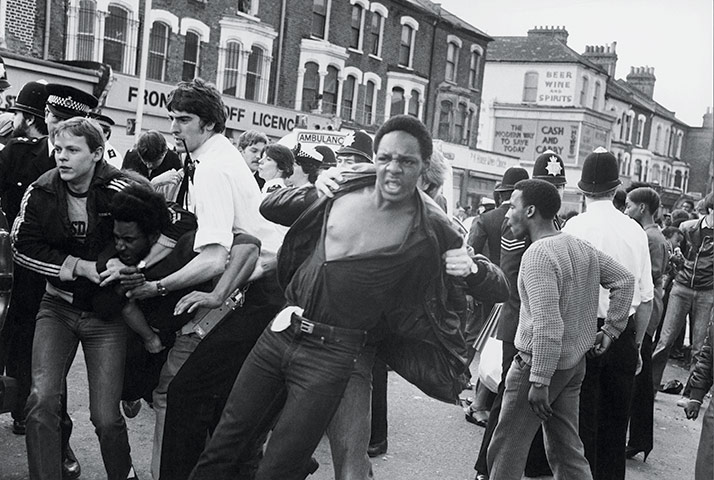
{"points": [[539, 385], [161, 289], [141, 266]]}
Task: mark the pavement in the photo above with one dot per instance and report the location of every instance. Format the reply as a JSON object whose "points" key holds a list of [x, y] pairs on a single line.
{"points": [[427, 439]]}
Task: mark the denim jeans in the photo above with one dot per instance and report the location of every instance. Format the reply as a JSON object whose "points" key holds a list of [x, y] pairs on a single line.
{"points": [[350, 428], [683, 301], [518, 424], [704, 466], [59, 331], [305, 375]]}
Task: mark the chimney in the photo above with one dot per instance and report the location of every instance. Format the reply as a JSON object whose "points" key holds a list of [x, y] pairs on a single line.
{"points": [[603, 55], [707, 119], [559, 33], [643, 79]]}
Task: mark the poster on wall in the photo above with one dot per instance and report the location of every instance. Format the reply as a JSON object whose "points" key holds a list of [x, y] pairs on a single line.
{"points": [[591, 138], [527, 139]]}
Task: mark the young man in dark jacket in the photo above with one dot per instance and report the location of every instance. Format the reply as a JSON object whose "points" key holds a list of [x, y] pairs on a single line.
{"points": [[63, 225], [358, 268]]}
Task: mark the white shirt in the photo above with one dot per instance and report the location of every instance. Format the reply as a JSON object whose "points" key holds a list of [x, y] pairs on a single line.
{"points": [[112, 156], [226, 198], [617, 235]]}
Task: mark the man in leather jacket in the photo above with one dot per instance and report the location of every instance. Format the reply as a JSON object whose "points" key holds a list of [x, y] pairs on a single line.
{"points": [[359, 268]]}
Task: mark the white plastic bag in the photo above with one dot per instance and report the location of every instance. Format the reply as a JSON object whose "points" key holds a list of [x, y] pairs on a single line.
{"points": [[489, 366]]}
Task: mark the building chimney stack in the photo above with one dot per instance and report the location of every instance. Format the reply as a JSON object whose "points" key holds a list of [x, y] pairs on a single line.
{"points": [[643, 79], [603, 55], [559, 33]]}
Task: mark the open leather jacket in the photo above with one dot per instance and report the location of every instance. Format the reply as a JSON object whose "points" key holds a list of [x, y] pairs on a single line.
{"points": [[424, 344]]}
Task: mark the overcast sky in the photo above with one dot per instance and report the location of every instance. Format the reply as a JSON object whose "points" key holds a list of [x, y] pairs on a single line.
{"points": [[673, 36]]}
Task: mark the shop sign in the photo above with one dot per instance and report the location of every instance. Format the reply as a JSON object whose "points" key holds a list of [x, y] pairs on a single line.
{"points": [[591, 138], [556, 87], [240, 114], [527, 139]]}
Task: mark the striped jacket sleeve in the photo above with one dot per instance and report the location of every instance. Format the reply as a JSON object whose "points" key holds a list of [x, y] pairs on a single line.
{"points": [[29, 243]]}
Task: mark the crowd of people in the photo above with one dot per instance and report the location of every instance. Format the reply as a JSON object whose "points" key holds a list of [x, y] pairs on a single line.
{"points": [[255, 294]]}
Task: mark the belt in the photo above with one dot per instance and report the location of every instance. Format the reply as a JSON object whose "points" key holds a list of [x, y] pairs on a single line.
{"points": [[303, 326]]}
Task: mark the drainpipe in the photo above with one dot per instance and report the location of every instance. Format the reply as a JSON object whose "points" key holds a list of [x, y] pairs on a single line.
{"points": [[431, 68], [279, 66], [46, 46]]}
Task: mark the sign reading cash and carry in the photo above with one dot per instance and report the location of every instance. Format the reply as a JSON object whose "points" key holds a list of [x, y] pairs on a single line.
{"points": [[526, 139]]}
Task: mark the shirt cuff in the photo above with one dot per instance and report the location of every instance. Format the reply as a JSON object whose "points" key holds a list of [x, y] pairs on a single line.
{"points": [[612, 332], [538, 379], [165, 241], [67, 269]]}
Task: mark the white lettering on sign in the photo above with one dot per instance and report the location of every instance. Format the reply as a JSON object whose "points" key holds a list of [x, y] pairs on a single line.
{"points": [[527, 139], [321, 138]]}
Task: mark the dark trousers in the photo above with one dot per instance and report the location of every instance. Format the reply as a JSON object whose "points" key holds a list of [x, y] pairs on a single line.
{"points": [[379, 402], [605, 399], [537, 463], [200, 389], [642, 408], [303, 372]]}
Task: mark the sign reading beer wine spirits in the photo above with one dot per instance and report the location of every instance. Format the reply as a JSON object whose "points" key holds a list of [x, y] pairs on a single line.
{"points": [[241, 114], [526, 139]]}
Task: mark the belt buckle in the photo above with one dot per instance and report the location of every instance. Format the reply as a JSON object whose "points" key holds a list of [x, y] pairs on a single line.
{"points": [[306, 327]]}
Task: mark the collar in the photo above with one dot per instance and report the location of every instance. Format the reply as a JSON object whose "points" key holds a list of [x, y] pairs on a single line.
{"points": [[601, 206], [205, 147]]}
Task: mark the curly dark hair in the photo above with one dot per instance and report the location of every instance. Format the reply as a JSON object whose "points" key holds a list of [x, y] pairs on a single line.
{"points": [[411, 125], [141, 204], [200, 98], [542, 195]]}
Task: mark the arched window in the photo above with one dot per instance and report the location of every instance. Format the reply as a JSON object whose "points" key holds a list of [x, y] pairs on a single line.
{"points": [[469, 122], [254, 75], [658, 139], [530, 87], [397, 107], [414, 104], [87, 20], [348, 97], [191, 52], [452, 61], [460, 123], [116, 33], [629, 125], [445, 120], [405, 46], [376, 34], [584, 91], [474, 67], [596, 96], [677, 179], [640, 129], [356, 27], [638, 170], [231, 72], [310, 85], [319, 18], [369, 103], [158, 51], [329, 92]]}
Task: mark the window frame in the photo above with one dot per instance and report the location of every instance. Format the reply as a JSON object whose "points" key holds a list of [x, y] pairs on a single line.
{"points": [[585, 87], [161, 57], [348, 104], [528, 88], [474, 66], [413, 25], [306, 106], [121, 44], [372, 102], [197, 61], [325, 20], [360, 26], [257, 76]]}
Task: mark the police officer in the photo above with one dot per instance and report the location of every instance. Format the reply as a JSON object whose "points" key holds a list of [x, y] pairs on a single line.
{"points": [[111, 155], [37, 111]]}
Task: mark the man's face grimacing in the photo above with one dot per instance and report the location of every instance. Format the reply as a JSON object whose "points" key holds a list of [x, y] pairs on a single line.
{"points": [[189, 128], [252, 155], [131, 243], [399, 166], [518, 215]]}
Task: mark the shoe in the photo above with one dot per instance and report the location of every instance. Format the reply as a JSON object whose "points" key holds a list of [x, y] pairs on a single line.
{"points": [[481, 476], [477, 417], [71, 470], [631, 452], [377, 449], [19, 427], [673, 387], [131, 408]]}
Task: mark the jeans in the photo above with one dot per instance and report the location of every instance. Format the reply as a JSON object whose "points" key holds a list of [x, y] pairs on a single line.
{"points": [[518, 424], [179, 353], [683, 301], [299, 372], [349, 430], [704, 467], [59, 330]]}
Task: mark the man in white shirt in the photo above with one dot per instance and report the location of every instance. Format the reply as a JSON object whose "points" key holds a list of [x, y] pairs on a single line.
{"points": [[607, 387], [225, 199]]}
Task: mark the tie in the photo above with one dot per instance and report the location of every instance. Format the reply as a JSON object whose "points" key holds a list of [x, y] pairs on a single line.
{"points": [[189, 168]]}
